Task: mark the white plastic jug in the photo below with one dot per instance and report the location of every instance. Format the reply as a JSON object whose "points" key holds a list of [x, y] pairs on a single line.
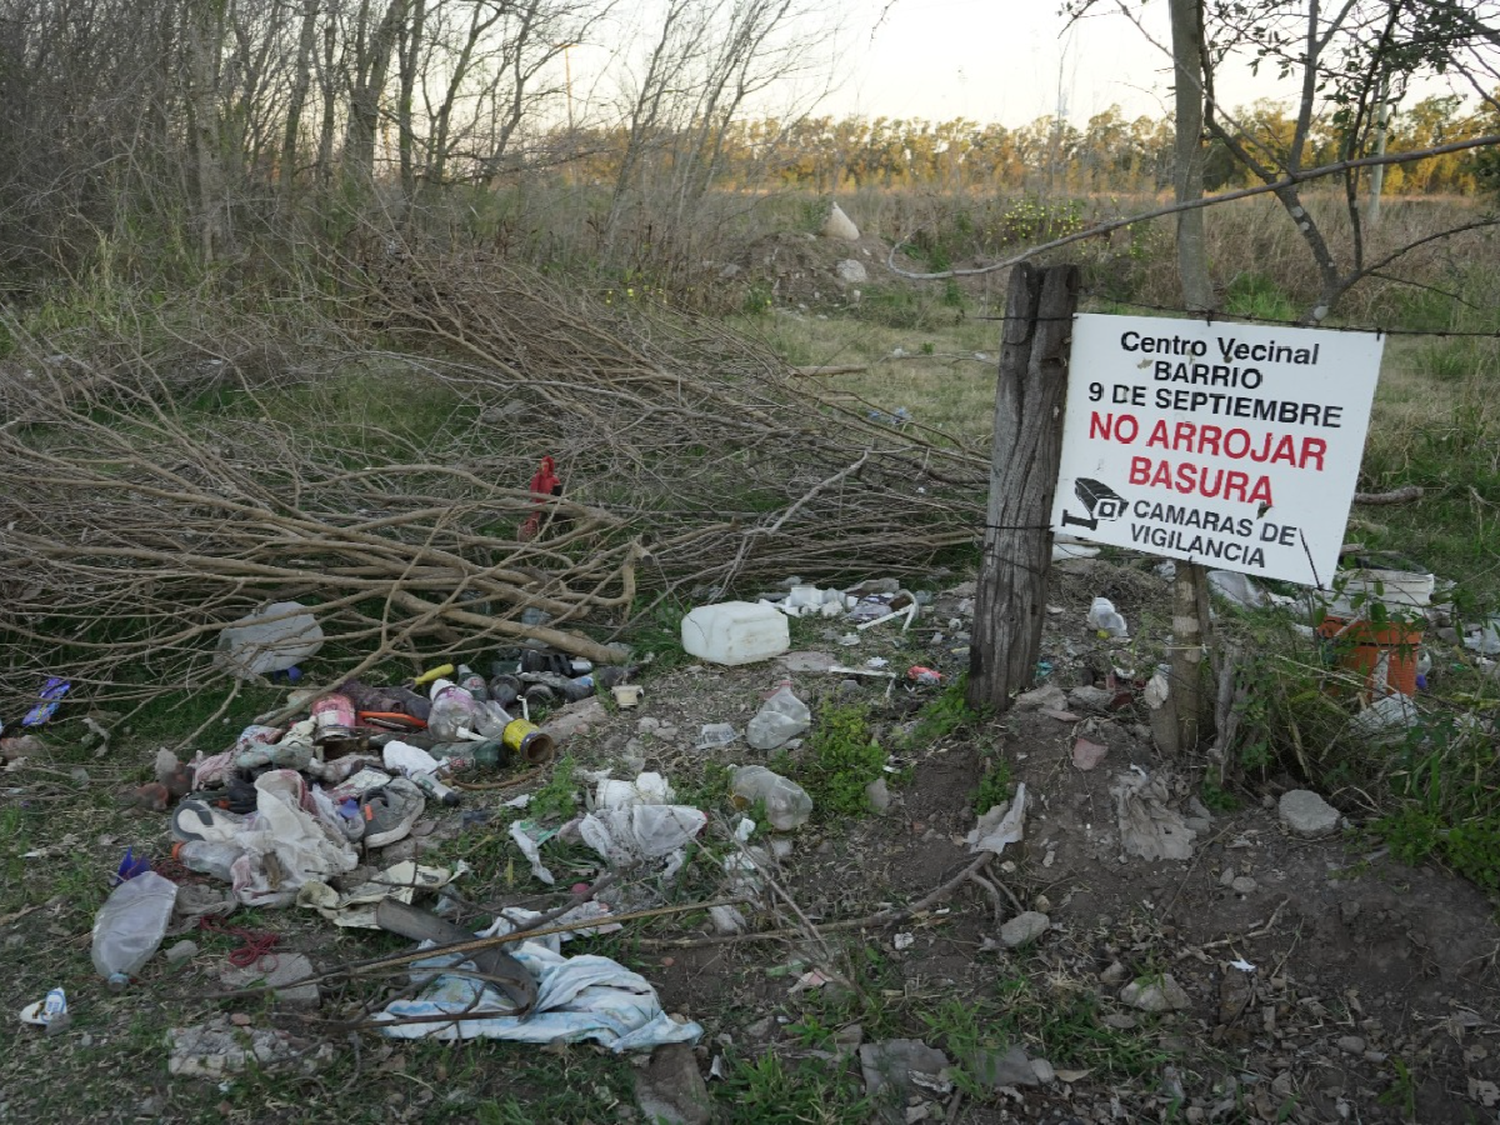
{"points": [[735, 632]]}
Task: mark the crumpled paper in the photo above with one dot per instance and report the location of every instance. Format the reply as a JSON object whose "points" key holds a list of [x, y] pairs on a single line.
{"points": [[1002, 825], [1148, 828]]}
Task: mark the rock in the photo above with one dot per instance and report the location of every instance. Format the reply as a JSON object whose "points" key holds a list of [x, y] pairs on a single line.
{"points": [[727, 919], [839, 225], [671, 1090], [1243, 885], [1155, 994], [1087, 755], [851, 272], [576, 718], [878, 795], [1226, 879], [1091, 698], [1012, 1068], [215, 1049], [1113, 975], [290, 967], [1045, 1074], [890, 1069], [1048, 696], [1305, 814], [1024, 929], [1351, 1044], [182, 951]]}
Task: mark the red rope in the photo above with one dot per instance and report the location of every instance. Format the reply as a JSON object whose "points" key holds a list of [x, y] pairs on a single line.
{"points": [[255, 951]]}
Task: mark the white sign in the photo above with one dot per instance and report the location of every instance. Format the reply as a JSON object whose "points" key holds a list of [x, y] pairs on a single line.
{"points": [[1236, 446]]}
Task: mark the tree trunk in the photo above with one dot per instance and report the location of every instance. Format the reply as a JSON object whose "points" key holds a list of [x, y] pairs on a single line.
{"points": [[1011, 599], [204, 32], [301, 83], [1179, 728]]}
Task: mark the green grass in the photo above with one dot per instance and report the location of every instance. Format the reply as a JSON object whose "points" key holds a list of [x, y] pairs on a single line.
{"points": [[841, 757]]}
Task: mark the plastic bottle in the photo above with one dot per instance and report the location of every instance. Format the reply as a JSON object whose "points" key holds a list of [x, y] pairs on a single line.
{"points": [[454, 711], [130, 926], [208, 857], [780, 719], [787, 804], [472, 682], [429, 784]]}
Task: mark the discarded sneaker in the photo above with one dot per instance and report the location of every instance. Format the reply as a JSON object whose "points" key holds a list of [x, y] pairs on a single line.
{"points": [[197, 819], [389, 812]]}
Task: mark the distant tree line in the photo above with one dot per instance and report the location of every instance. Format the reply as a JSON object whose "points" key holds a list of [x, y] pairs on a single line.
{"points": [[183, 131]]}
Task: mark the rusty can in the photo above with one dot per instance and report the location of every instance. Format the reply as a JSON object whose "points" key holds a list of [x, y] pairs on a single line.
{"points": [[528, 740], [333, 718]]}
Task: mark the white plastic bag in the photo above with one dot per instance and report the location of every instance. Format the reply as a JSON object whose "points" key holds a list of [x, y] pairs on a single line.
{"points": [[271, 639]]}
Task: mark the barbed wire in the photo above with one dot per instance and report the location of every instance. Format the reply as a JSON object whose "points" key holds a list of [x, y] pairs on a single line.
{"points": [[1211, 316]]}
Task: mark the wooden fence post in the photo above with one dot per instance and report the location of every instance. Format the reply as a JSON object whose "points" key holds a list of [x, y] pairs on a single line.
{"points": [[1011, 597]]}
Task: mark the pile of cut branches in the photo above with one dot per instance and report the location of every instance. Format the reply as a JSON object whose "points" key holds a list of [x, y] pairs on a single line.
{"points": [[150, 496]]}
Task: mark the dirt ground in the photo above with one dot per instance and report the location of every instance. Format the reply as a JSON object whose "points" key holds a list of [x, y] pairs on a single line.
{"points": [[1319, 980]]}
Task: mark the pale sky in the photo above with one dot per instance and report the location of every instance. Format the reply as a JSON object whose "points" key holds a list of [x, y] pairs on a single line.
{"points": [[1008, 61]]}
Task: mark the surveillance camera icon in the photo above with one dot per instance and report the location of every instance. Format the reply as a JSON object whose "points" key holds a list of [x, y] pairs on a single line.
{"points": [[1100, 501]]}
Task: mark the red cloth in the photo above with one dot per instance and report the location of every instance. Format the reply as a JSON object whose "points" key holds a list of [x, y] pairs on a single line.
{"points": [[546, 482]]}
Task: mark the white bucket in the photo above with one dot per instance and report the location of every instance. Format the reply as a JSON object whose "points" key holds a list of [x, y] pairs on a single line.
{"points": [[1394, 589]]}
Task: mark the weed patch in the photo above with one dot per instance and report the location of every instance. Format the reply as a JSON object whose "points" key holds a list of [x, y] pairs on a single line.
{"points": [[842, 756]]}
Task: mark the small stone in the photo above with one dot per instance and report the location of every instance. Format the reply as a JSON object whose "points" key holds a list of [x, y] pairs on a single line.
{"points": [[182, 951], [1349, 910], [1024, 929], [1243, 885], [1091, 698], [1045, 1074], [851, 271], [1049, 697], [1351, 1044], [1012, 1068], [240, 1019], [1303, 813], [672, 1090], [1118, 1020], [290, 968], [1227, 878], [878, 795], [1113, 975], [1150, 994], [761, 1028]]}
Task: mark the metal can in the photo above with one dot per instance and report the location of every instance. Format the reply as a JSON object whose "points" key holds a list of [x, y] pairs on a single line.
{"points": [[333, 718], [528, 740]]}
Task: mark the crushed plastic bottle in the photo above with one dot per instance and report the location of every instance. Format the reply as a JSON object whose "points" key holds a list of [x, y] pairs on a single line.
{"points": [[130, 926], [787, 804], [780, 719]]}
